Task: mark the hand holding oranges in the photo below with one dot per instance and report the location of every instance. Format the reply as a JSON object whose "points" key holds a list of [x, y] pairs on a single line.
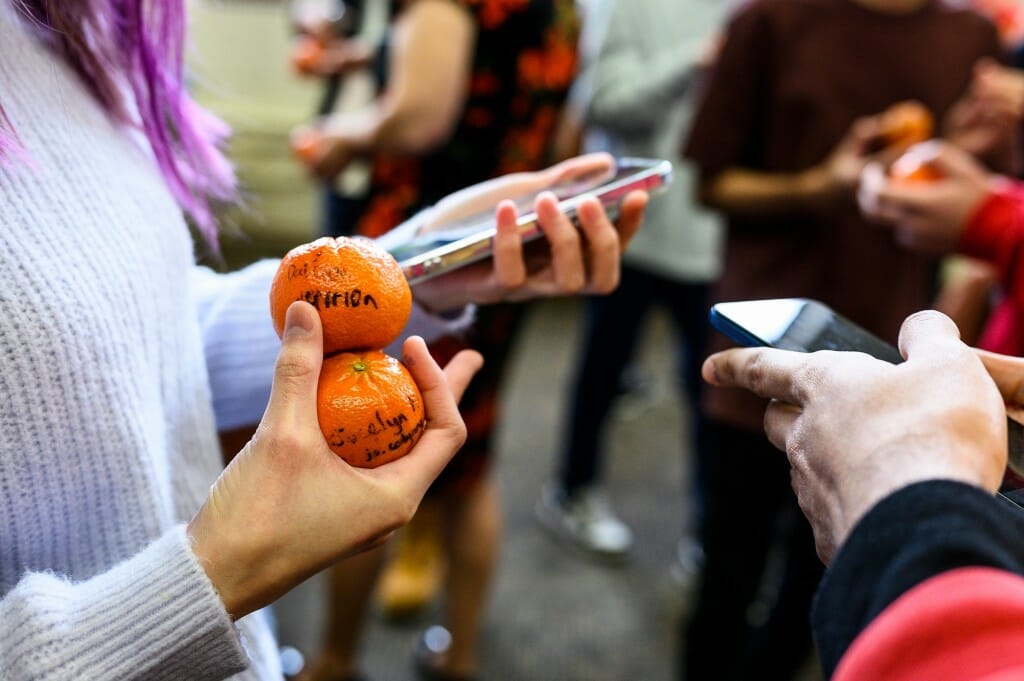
{"points": [[287, 506], [370, 410]]}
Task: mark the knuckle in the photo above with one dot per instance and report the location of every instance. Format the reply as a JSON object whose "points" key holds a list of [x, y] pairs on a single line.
{"points": [[808, 378], [280, 443], [565, 240], [573, 283], [607, 283], [925, 316], [508, 280], [293, 365], [459, 433], [756, 370]]}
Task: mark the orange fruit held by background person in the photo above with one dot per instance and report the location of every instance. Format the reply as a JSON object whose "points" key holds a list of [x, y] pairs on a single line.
{"points": [[305, 144], [916, 165], [369, 408], [906, 124], [357, 288], [306, 54]]}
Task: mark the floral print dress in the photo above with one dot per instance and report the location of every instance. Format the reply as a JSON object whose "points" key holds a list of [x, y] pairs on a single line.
{"points": [[523, 65]]}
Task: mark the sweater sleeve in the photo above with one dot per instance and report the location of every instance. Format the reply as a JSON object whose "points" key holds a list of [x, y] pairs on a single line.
{"points": [[995, 233], [909, 537], [239, 340], [154, 616], [620, 87]]}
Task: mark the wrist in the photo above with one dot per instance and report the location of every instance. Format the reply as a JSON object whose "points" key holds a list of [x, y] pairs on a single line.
{"points": [[817, 188], [225, 566]]}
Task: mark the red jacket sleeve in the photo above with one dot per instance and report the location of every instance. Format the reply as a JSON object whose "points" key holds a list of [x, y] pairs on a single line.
{"points": [[995, 233], [965, 624]]}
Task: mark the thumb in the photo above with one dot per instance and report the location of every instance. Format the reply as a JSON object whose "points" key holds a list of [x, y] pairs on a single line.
{"points": [[297, 371], [929, 335]]}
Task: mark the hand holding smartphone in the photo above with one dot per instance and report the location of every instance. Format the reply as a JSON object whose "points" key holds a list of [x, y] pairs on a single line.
{"points": [[460, 229], [805, 325]]}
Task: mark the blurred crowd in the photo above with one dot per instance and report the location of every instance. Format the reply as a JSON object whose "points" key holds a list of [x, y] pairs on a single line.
{"points": [[787, 123]]}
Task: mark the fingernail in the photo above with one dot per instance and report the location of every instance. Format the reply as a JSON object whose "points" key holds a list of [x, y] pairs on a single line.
{"points": [[297, 322]]}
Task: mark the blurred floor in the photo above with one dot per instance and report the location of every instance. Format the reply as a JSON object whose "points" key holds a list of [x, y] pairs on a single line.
{"points": [[555, 615]]}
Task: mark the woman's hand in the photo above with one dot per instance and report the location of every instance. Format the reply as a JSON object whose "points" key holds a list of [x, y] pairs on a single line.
{"points": [[569, 260], [857, 429], [928, 216], [287, 507]]}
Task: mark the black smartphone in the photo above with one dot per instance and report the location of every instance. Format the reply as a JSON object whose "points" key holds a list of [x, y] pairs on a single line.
{"points": [[806, 325]]}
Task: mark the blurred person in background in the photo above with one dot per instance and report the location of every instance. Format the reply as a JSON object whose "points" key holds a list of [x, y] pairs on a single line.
{"points": [[792, 113], [342, 42], [639, 61], [113, 394], [969, 210], [474, 89]]}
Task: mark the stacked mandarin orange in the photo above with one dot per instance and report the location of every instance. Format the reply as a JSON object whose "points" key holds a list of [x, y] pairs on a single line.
{"points": [[368, 406]]}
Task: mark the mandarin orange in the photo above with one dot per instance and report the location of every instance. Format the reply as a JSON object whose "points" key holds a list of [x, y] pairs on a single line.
{"points": [[906, 124], [306, 54], [369, 408], [358, 289], [305, 144]]}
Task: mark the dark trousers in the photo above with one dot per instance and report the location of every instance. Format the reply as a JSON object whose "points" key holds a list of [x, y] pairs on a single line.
{"points": [[613, 324], [751, 619]]}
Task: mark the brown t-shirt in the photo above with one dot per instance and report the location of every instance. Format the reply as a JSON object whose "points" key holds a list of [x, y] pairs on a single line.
{"points": [[792, 77]]}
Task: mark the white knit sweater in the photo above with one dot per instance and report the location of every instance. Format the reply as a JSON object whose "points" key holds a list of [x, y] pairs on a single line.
{"points": [[113, 349]]}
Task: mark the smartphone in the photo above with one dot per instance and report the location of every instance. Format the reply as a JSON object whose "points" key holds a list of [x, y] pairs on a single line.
{"points": [[469, 239], [807, 325]]}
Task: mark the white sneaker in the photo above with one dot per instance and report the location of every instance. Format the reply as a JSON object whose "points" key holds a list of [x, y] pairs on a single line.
{"points": [[586, 520]]}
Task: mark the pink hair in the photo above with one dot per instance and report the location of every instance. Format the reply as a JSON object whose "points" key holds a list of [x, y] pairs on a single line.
{"points": [[140, 44]]}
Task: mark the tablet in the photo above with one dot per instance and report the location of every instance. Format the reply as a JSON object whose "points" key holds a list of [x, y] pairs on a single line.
{"points": [[470, 239]]}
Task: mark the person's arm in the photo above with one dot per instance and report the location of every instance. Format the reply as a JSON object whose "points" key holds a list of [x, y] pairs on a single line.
{"points": [[739, 191], [621, 87], [976, 613], [995, 233], [742, 191], [967, 209], [915, 534], [895, 466], [429, 62], [154, 616], [724, 139]]}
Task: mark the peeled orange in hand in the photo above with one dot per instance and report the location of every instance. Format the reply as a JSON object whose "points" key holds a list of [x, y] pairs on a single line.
{"points": [[369, 408], [357, 288]]}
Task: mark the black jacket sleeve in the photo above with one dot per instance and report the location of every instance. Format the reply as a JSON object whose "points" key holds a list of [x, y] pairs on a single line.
{"points": [[913, 534]]}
